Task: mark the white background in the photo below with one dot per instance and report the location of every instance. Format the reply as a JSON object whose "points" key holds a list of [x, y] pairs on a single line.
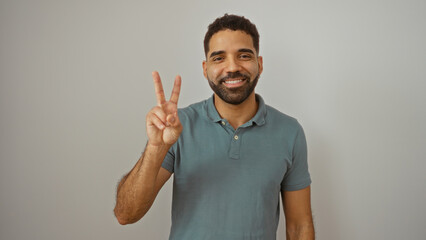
{"points": [[76, 86]]}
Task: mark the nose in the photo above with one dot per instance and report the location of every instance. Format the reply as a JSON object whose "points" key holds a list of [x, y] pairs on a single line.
{"points": [[232, 65]]}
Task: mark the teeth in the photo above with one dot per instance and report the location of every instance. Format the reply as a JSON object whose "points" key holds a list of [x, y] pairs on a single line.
{"points": [[233, 81]]}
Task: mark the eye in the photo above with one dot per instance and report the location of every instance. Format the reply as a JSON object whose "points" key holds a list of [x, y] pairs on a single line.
{"points": [[245, 56], [217, 59]]}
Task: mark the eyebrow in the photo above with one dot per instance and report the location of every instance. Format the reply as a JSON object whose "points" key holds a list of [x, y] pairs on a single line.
{"points": [[239, 50], [216, 53], [246, 50]]}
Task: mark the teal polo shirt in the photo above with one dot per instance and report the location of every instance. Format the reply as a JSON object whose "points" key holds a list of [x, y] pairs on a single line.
{"points": [[227, 181]]}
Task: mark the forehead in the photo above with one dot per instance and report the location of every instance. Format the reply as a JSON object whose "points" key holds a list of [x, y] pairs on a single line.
{"points": [[229, 40]]}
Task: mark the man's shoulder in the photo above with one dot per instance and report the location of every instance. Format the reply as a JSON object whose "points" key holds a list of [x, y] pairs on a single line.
{"points": [[281, 123], [193, 110], [277, 114], [280, 126]]}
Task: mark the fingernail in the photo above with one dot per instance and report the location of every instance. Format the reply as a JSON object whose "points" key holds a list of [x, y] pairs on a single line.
{"points": [[172, 120]]}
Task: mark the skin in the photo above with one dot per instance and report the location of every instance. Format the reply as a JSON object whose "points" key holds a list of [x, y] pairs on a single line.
{"points": [[233, 57], [229, 52], [298, 214], [137, 190]]}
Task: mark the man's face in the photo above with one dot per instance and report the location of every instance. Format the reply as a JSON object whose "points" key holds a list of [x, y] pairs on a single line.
{"points": [[232, 66]]}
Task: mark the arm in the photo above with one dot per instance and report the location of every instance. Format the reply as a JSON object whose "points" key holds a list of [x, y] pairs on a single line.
{"points": [[298, 215], [137, 190]]}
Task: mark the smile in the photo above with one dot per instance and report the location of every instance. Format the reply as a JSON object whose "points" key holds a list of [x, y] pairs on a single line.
{"points": [[234, 83]]}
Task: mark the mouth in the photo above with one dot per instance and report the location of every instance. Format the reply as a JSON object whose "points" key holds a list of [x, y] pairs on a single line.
{"points": [[233, 83]]}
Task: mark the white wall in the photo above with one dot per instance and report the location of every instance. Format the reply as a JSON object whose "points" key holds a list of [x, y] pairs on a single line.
{"points": [[76, 85]]}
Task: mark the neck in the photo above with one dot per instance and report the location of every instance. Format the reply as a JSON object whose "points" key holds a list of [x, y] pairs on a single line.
{"points": [[239, 114]]}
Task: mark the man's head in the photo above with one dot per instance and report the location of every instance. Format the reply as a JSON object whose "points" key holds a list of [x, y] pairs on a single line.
{"points": [[232, 64], [232, 22]]}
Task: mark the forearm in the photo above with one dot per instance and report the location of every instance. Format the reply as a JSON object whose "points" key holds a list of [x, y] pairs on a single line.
{"points": [[136, 191], [301, 232]]}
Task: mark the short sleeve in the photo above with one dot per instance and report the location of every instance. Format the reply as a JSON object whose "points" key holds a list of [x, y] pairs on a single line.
{"points": [[297, 176], [169, 159]]}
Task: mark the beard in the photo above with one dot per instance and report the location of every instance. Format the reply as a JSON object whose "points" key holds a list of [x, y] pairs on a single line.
{"points": [[234, 96]]}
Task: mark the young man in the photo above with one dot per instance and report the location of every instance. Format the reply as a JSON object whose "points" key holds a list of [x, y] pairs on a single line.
{"points": [[232, 156]]}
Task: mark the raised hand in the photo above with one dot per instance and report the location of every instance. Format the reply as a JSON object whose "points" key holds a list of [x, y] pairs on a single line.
{"points": [[163, 126]]}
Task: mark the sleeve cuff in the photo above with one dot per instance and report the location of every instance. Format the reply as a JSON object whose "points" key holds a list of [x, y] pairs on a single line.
{"points": [[167, 166], [296, 187]]}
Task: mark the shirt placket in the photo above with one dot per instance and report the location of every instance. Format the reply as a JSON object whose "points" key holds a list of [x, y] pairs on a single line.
{"points": [[234, 151], [236, 138]]}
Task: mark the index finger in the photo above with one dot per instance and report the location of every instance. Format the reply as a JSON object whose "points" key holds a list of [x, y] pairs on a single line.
{"points": [[159, 92], [176, 90]]}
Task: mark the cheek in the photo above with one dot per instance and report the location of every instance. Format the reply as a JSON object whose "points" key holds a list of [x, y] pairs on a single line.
{"points": [[253, 69], [214, 72]]}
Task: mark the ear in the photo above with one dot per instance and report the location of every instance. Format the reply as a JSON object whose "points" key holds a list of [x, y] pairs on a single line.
{"points": [[260, 62], [205, 69]]}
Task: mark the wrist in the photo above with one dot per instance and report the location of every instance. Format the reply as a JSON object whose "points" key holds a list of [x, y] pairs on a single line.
{"points": [[158, 146], [155, 153]]}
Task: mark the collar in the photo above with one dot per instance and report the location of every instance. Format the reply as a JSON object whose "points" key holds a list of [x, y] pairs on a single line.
{"points": [[258, 119]]}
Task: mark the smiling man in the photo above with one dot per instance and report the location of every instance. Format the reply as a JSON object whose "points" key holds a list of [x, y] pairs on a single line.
{"points": [[231, 156], [233, 70]]}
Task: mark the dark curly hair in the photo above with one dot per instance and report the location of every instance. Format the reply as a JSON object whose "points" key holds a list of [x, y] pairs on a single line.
{"points": [[232, 22]]}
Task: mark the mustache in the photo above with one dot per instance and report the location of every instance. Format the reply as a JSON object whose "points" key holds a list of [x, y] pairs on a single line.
{"points": [[234, 75]]}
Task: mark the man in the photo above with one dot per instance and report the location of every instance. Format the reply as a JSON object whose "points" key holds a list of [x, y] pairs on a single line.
{"points": [[232, 156]]}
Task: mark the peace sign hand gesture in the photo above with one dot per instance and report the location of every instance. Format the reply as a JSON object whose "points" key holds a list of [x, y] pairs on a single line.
{"points": [[163, 126]]}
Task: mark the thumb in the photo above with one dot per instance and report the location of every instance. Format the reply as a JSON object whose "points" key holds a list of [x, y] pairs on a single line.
{"points": [[173, 119]]}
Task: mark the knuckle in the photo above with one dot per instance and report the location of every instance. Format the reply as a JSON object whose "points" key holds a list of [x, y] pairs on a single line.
{"points": [[156, 110], [149, 117]]}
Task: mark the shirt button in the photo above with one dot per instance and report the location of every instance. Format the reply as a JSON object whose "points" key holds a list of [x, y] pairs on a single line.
{"points": [[223, 123], [236, 137]]}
